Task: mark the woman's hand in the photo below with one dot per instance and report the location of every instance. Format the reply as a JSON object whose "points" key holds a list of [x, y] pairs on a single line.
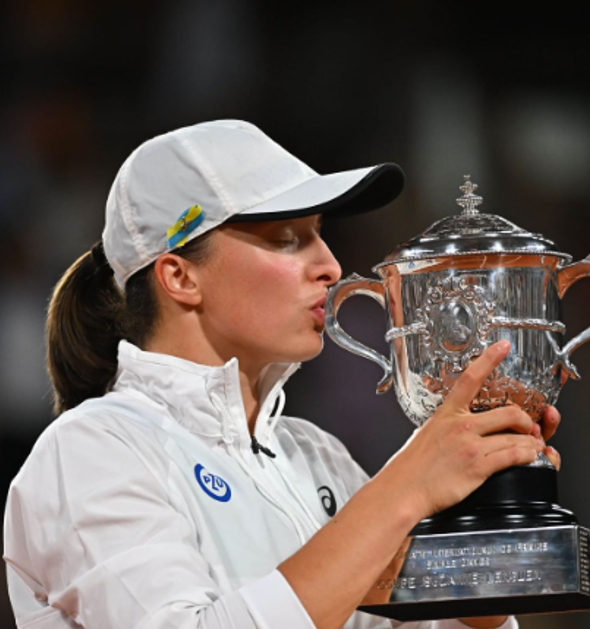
{"points": [[457, 450], [470, 447], [549, 424]]}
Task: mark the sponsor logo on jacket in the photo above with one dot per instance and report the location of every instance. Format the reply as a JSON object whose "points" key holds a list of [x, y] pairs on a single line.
{"points": [[328, 500], [214, 486]]}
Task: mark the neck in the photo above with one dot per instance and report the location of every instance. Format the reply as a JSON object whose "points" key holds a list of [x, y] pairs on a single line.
{"points": [[203, 354], [251, 398]]}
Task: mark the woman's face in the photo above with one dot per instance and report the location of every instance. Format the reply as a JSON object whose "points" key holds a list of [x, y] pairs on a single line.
{"points": [[263, 290]]}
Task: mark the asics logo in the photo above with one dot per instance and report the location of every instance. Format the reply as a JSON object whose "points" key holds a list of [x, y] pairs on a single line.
{"points": [[328, 500], [212, 485]]}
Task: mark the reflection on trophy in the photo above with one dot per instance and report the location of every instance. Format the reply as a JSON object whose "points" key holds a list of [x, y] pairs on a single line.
{"points": [[466, 282]]}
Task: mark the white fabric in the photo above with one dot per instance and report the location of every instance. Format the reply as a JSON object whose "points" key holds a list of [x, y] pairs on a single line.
{"points": [[227, 167], [115, 520]]}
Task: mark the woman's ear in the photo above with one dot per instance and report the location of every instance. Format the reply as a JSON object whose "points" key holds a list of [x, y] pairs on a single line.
{"points": [[178, 278]]}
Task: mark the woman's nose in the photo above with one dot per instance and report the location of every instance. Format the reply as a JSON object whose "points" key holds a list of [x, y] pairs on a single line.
{"points": [[328, 268]]}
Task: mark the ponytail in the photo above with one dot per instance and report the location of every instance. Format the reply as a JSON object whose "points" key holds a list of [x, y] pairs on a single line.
{"points": [[88, 315], [83, 331]]}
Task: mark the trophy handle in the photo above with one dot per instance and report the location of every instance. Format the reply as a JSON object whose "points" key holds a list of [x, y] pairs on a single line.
{"points": [[338, 294], [566, 277]]}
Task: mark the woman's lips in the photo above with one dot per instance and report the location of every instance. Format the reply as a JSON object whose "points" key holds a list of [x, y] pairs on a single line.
{"points": [[318, 311], [319, 315]]}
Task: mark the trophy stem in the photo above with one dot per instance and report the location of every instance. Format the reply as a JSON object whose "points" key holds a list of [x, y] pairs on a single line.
{"points": [[519, 497]]}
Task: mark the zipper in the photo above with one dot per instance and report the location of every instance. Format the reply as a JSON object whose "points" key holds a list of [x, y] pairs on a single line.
{"points": [[299, 499], [270, 493]]}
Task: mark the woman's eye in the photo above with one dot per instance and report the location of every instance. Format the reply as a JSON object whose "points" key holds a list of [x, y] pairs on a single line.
{"points": [[286, 242]]}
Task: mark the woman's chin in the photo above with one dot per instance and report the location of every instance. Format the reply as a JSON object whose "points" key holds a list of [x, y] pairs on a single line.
{"points": [[303, 352], [310, 350]]}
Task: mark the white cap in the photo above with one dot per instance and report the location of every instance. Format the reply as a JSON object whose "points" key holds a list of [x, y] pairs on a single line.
{"points": [[182, 184]]}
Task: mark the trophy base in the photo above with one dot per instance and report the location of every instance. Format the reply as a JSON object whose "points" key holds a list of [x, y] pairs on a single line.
{"points": [[518, 497], [491, 573]]}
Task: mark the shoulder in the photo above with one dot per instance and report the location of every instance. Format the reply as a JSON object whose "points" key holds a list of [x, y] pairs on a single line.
{"points": [[97, 437], [111, 417]]}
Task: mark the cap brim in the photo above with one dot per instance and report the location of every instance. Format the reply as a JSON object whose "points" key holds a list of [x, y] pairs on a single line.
{"points": [[338, 194]]}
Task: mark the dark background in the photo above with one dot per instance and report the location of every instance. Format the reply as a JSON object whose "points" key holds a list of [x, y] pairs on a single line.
{"points": [[504, 97]]}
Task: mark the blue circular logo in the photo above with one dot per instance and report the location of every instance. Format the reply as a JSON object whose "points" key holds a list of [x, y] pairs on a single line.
{"points": [[212, 485]]}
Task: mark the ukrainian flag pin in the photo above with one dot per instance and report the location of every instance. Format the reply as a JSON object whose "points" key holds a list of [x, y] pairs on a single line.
{"points": [[187, 222]]}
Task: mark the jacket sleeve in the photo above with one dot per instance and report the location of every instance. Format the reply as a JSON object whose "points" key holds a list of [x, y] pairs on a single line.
{"points": [[91, 535]]}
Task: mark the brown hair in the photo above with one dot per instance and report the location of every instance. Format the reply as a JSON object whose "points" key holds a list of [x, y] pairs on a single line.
{"points": [[87, 317]]}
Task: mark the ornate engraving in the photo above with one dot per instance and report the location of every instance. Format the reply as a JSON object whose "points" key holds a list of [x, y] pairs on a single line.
{"points": [[495, 563], [532, 394], [455, 322], [456, 318], [499, 390]]}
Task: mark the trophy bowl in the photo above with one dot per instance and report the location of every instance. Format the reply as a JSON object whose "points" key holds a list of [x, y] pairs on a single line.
{"points": [[466, 282]]}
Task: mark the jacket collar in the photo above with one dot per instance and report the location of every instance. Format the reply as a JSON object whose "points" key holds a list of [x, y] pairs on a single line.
{"points": [[205, 400]]}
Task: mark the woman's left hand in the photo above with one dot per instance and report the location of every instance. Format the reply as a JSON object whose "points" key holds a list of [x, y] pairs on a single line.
{"points": [[549, 425]]}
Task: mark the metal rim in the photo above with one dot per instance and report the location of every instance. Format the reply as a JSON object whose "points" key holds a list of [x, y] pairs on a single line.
{"points": [[461, 254]]}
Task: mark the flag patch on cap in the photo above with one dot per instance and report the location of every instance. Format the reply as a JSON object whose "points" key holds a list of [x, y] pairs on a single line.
{"points": [[187, 222]]}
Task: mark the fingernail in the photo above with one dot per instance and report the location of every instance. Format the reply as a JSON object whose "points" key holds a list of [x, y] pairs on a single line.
{"points": [[503, 345], [550, 450], [536, 430]]}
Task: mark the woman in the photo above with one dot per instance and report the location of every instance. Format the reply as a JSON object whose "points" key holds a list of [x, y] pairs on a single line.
{"points": [[171, 492]]}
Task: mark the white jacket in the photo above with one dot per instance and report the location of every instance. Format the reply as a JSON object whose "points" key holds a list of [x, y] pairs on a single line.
{"points": [[148, 509]]}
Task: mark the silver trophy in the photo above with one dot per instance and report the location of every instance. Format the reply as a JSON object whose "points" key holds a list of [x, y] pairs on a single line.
{"points": [[466, 282]]}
